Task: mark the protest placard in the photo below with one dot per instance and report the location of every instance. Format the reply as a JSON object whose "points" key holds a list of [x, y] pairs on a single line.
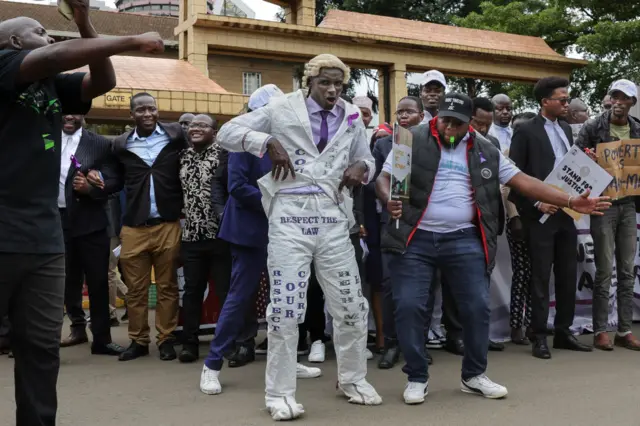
{"points": [[621, 159], [576, 173], [401, 167]]}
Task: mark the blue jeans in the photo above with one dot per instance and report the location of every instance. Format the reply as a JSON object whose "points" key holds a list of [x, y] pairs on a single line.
{"points": [[460, 257]]}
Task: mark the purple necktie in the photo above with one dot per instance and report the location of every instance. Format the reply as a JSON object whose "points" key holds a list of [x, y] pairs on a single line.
{"points": [[324, 131]]}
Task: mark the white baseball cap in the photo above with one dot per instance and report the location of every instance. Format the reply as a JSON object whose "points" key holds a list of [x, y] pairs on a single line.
{"points": [[433, 75], [627, 87], [263, 95]]}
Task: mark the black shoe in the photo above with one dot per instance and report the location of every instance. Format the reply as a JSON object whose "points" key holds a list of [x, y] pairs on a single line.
{"points": [[189, 353], [455, 346], [389, 358], [568, 341], [496, 346], [135, 350], [429, 358], [261, 349], [113, 322], [242, 356], [110, 349], [167, 351], [125, 316], [540, 348]]}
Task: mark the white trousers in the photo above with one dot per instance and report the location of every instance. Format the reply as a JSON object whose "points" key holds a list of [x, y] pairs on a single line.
{"points": [[305, 229]]}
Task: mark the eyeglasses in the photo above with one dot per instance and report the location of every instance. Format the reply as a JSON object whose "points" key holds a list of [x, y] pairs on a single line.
{"points": [[406, 112], [563, 101], [202, 126]]}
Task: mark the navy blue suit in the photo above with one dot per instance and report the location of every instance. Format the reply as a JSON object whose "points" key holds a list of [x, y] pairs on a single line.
{"points": [[245, 226]]}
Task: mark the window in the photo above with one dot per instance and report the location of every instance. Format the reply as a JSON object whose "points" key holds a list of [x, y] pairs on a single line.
{"points": [[251, 81]]}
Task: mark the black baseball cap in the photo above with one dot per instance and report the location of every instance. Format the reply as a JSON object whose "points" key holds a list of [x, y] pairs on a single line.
{"points": [[456, 105]]}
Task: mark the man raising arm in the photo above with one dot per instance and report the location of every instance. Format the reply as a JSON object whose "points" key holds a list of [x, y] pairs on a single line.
{"points": [[33, 97]]}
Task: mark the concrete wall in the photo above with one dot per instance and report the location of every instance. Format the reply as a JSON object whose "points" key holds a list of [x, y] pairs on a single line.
{"points": [[227, 71]]}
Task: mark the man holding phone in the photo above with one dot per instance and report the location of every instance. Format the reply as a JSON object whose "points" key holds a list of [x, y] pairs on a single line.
{"points": [[34, 94]]}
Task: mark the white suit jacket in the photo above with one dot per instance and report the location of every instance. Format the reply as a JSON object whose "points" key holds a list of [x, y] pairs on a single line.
{"points": [[286, 119]]}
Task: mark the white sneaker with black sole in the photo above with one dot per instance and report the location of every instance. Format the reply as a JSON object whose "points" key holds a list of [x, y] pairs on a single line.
{"points": [[434, 340], [414, 393], [482, 385]]}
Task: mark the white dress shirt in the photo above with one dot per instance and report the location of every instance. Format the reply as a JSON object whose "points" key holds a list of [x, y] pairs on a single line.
{"points": [[558, 139], [67, 149], [503, 134]]}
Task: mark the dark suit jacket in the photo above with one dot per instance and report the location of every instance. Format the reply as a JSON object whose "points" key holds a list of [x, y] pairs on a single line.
{"points": [[532, 152], [86, 214], [244, 221], [135, 179]]}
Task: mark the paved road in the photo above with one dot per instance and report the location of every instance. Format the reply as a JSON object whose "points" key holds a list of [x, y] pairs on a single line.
{"points": [[571, 389]]}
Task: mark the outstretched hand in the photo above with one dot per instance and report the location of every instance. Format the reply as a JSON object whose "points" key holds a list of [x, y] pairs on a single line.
{"points": [[280, 159], [594, 206]]}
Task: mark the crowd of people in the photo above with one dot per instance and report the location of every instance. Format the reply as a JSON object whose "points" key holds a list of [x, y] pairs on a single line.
{"points": [[294, 189]]}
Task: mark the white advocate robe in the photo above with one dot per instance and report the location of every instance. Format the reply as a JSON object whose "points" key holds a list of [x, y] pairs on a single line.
{"points": [[286, 119]]}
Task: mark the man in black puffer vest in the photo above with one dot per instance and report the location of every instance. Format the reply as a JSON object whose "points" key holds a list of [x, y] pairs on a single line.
{"points": [[451, 223]]}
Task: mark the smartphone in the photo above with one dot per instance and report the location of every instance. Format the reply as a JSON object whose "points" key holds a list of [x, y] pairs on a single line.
{"points": [[65, 10]]}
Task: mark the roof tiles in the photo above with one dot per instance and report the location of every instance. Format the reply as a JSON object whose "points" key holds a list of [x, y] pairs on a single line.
{"points": [[143, 73], [434, 33]]}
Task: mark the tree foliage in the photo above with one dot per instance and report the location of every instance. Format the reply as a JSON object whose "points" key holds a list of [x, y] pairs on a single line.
{"points": [[605, 32]]}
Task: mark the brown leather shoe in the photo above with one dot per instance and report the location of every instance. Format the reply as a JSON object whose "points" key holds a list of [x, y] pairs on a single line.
{"points": [[602, 342], [74, 339], [627, 341]]}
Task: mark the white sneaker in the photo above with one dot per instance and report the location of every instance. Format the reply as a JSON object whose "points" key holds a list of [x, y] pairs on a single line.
{"points": [[361, 393], [317, 352], [368, 353], [415, 392], [481, 385], [304, 372], [283, 408], [209, 381]]}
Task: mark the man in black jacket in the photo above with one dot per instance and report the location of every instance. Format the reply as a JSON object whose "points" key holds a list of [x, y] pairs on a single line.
{"points": [[148, 159], [537, 147], [84, 223], [615, 233]]}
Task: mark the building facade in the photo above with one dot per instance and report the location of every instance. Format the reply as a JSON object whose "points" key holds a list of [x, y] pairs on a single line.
{"points": [[235, 8]]}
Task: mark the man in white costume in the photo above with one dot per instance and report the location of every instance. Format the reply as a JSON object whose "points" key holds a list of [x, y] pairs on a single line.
{"points": [[318, 146]]}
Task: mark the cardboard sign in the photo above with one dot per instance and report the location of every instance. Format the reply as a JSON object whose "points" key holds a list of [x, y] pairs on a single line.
{"points": [[574, 174], [401, 167], [621, 159]]}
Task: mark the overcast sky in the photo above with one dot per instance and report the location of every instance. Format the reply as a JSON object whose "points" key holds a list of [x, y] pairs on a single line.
{"points": [[263, 9]]}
